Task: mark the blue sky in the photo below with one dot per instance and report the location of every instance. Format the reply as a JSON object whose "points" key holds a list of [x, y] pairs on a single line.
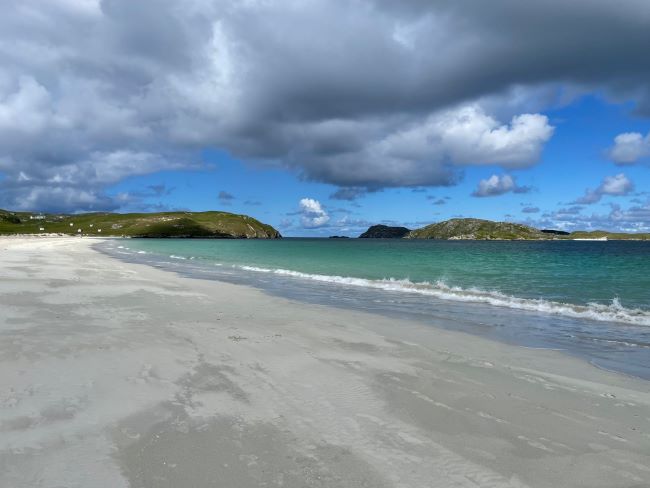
{"points": [[574, 160], [323, 117]]}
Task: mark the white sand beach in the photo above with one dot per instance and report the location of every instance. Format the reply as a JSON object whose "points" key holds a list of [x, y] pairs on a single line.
{"points": [[120, 375]]}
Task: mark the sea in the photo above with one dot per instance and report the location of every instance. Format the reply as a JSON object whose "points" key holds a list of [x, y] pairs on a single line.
{"points": [[590, 299]]}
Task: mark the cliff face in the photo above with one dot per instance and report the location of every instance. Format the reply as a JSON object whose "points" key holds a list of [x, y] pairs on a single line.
{"points": [[384, 231], [166, 224]]}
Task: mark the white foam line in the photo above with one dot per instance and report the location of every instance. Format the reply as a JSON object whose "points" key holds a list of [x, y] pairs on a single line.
{"points": [[613, 312]]}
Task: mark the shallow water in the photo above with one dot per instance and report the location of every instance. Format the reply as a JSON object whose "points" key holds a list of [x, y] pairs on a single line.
{"points": [[591, 299]]}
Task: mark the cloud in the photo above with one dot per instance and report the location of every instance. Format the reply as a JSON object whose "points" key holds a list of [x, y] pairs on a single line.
{"points": [[498, 185], [295, 84], [312, 214], [286, 223], [618, 185], [469, 136], [633, 219], [426, 151], [349, 194], [629, 148], [61, 199], [225, 197], [530, 210], [253, 203], [433, 197]]}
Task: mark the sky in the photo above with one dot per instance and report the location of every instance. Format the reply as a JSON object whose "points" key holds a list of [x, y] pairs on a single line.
{"points": [[322, 117]]}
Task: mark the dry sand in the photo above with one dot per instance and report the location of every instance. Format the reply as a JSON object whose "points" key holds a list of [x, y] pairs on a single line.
{"points": [[116, 375]]}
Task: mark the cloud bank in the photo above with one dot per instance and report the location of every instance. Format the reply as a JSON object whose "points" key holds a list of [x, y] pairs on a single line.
{"points": [[635, 218], [88, 97]]}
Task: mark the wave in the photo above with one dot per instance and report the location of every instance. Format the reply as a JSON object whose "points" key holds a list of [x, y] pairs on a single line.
{"points": [[612, 312]]}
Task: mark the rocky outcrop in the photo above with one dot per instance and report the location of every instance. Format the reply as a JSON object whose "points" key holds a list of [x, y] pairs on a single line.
{"points": [[384, 232], [556, 232]]}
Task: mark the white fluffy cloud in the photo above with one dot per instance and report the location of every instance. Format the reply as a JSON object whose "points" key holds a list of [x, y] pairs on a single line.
{"points": [[629, 148], [617, 185], [498, 185], [468, 135], [312, 214]]}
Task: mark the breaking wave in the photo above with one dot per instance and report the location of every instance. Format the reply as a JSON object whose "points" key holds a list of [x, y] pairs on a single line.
{"points": [[612, 312]]}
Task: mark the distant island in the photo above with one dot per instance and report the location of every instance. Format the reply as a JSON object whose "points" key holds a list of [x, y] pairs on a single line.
{"points": [[480, 229], [221, 225], [384, 232]]}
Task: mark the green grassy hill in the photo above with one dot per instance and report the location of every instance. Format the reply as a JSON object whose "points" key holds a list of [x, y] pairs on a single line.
{"points": [[476, 229], [165, 224], [487, 229]]}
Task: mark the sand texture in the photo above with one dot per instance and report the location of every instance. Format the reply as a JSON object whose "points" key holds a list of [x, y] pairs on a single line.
{"points": [[119, 375]]}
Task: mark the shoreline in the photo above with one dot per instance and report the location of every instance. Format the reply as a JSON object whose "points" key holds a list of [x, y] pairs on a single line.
{"points": [[146, 378], [619, 332]]}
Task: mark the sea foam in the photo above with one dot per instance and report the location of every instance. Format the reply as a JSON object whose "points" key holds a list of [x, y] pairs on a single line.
{"points": [[612, 312]]}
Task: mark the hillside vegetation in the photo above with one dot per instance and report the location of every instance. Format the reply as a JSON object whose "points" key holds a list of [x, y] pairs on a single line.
{"points": [[165, 224], [476, 229], [479, 229]]}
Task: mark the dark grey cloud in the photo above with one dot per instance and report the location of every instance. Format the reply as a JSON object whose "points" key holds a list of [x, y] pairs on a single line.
{"points": [[349, 193], [368, 94]]}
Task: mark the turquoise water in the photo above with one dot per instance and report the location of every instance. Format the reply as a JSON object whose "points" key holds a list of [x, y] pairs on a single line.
{"points": [[573, 272], [590, 298]]}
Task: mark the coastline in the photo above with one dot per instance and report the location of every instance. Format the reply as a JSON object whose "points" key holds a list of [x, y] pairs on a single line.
{"points": [[588, 321], [118, 374]]}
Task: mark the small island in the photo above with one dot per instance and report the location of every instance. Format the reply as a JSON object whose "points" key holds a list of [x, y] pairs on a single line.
{"points": [[384, 232]]}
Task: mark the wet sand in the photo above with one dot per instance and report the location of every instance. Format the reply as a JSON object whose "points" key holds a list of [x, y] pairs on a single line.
{"points": [[121, 375]]}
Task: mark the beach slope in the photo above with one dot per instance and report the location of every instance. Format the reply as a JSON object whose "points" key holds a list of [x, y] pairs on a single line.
{"points": [[120, 375]]}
